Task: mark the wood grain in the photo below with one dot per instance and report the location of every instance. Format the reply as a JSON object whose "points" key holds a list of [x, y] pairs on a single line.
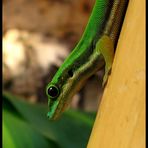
{"points": [[120, 121]]}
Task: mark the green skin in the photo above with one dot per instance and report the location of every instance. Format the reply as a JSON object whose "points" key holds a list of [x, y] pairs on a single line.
{"points": [[94, 51]]}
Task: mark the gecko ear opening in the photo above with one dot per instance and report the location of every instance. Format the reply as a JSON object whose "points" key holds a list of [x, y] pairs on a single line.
{"points": [[70, 73]]}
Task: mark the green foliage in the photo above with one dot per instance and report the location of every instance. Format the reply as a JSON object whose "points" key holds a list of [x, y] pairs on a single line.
{"points": [[26, 125]]}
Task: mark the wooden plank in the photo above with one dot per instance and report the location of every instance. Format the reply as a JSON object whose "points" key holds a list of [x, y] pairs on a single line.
{"points": [[120, 121]]}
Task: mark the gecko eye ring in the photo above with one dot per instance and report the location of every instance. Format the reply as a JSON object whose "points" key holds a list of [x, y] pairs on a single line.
{"points": [[53, 91]]}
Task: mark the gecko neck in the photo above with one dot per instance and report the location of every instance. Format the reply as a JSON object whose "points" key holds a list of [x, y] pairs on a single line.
{"points": [[106, 19]]}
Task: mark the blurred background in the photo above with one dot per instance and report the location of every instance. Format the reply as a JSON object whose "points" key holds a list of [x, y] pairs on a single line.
{"points": [[37, 36]]}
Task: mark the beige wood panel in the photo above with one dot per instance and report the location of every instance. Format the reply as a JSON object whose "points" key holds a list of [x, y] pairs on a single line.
{"points": [[120, 121]]}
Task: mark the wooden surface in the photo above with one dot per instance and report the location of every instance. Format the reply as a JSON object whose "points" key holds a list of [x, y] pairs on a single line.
{"points": [[120, 122]]}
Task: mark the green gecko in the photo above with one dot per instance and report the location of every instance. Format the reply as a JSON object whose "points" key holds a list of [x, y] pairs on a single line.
{"points": [[94, 51]]}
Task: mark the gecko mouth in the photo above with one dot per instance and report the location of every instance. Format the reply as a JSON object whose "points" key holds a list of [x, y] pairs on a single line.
{"points": [[54, 115], [55, 108]]}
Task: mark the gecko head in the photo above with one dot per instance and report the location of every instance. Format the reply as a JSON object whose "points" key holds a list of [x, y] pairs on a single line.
{"points": [[58, 99], [59, 92], [67, 81]]}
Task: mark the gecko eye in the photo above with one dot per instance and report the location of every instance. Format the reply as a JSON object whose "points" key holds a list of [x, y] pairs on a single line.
{"points": [[53, 91]]}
